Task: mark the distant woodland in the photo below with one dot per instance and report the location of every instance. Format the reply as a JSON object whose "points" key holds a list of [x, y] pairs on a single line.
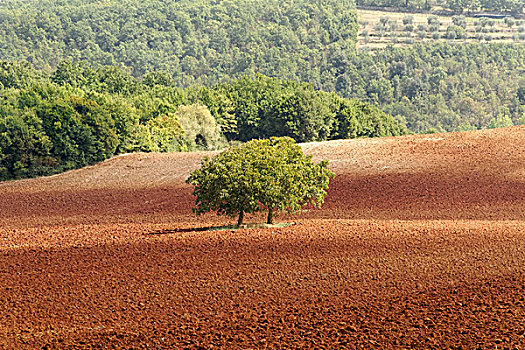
{"points": [[439, 86], [196, 41]]}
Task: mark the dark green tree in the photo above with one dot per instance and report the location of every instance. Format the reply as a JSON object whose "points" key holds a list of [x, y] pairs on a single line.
{"points": [[25, 150]]}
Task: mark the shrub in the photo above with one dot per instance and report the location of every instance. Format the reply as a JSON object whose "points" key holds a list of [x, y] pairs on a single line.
{"points": [[393, 25], [433, 20], [460, 21], [384, 20], [484, 22], [433, 28], [454, 32], [366, 36]]}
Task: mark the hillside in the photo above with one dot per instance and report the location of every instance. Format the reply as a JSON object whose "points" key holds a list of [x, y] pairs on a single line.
{"points": [[501, 7], [441, 86], [435, 82], [420, 244], [379, 29], [468, 175], [195, 41]]}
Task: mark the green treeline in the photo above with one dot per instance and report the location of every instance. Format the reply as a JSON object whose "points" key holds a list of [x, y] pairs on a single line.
{"points": [[202, 41], [439, 86], [458, 6], [76, 115]]}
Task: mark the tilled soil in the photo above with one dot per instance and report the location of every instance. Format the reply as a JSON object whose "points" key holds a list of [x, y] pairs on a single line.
{"points": [[420, 245]]}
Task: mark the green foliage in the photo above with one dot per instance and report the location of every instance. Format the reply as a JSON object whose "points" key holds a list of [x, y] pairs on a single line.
{"points": [[460, 21], [455, 31], [440, 85], [75, 115], [272, 175], [501, 121], [261, 107], [408, 19], [195, 42], [161, 134], [17, 75], [47, 129], [79, 129], [433, 20], [201, 131], [354, 118], [302, 114], [25, 150], [521, 120]]}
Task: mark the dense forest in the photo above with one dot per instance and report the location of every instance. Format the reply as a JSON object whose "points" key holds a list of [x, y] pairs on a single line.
{"points": [[76, 115], [202, 41], [440, 86], [458, 6]]}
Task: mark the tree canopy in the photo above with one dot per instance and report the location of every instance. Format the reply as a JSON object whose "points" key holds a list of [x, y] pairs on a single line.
{"points": [[272, 175], [246, 60]]}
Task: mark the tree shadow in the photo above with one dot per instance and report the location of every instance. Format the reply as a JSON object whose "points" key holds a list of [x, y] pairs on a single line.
{"points": [[179, 230], [218, 228]]}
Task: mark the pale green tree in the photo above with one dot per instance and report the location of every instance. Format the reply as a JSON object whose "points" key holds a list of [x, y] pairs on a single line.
{"points": [[201, 131]]}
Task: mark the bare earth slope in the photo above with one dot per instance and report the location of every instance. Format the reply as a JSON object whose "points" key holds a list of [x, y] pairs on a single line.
{"points": [[420, 244]]}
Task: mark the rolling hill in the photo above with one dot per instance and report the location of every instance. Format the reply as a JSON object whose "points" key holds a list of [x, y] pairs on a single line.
{"points": [[420, 244]]}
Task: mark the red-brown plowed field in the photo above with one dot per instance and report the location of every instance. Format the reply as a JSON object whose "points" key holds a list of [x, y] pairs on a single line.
{"points": [[420, 245]]}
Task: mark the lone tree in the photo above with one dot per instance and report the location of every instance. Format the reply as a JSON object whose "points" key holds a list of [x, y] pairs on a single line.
{"points": [[272, 175]]}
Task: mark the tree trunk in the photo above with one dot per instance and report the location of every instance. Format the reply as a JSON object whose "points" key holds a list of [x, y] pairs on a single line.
{"points": [[241, 217], [270, 216]]}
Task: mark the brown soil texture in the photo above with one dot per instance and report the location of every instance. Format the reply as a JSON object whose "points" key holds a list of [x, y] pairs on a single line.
{"points": [[420, 245]]}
